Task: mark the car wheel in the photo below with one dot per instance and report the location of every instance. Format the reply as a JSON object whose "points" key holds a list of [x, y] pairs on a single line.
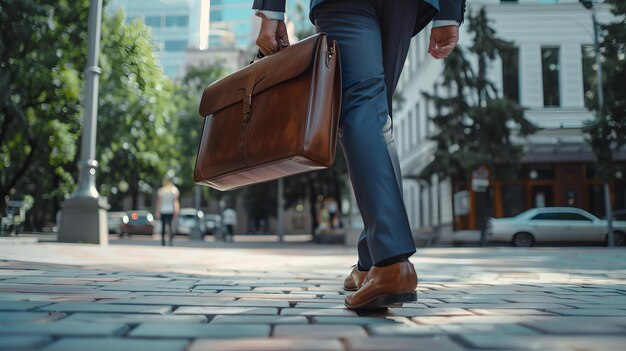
{"points": [[619, 239], [523, 240]]}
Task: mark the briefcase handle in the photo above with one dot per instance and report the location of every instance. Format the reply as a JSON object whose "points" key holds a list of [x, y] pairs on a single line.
{"points": [[260, 55]]}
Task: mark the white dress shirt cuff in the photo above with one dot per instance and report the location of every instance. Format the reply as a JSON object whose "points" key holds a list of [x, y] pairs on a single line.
{"points": [[442, 23], [273, 15]]}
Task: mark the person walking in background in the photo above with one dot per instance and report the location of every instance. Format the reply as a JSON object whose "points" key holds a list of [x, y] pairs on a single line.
{"points": [[331, 204], [167, 207], [373, 37], [229, 219]]}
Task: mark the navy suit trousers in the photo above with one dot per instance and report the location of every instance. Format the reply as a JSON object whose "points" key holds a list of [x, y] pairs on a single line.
{"points": [[373, 38]]}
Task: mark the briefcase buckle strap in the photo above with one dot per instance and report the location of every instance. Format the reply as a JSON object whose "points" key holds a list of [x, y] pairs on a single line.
{"points": [[247, 105]]}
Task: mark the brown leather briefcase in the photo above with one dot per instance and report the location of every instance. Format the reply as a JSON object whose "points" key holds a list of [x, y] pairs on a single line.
{"points": [[276, 117]]}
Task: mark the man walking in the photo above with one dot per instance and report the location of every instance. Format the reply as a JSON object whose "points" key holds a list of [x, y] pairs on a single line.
{"points": [[229, 220], [373, 38]]}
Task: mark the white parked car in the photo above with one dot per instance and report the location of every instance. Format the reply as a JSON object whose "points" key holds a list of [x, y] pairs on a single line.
{"points": [[553, 224], [189, 220]]}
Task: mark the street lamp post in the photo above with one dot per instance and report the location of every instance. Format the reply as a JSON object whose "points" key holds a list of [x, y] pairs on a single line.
{"points": [[588, 4], [83, 218]]}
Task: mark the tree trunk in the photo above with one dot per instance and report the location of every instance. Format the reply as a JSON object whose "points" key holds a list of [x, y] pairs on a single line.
{"points": [[6, 188], [609, 215]]}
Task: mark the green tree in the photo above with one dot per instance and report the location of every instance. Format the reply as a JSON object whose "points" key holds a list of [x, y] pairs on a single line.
{"points": [[40, 85], [138, 119], [42, 56], [473, 120], [606, 134]]}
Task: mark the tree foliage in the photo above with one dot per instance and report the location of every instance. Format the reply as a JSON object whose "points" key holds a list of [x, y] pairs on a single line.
{"points": [[42, 56], [137, 115], [475, 123], [607, 132], [40, 86]]}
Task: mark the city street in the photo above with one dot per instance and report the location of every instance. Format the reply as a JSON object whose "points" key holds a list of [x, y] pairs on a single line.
{"points": [[288, 296]]}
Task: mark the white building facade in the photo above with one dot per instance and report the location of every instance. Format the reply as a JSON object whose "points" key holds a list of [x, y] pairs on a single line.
{"points": [[553, 41]]}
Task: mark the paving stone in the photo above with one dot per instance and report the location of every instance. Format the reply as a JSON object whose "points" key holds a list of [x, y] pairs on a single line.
{"points": [[183, 330], [486, 328], [439, 343], [421, 303], [23, 342], [105, 308], [316, 312], [222, 287], [117, 344], [174, 301], [62, 328], [252, 319], [506, 305], [278, 288], [578, 325], [352, 320], [31, 317], [20, 305], [226, 310], [403, 330], [414, 312], [319, 330], [262, 296], [273, 344], [134, 318], [319, 304], [256, 303], [44, 280], [436, 320], [509, 312], [35, 288], [544, 342], [538, 299], [589, 312]]}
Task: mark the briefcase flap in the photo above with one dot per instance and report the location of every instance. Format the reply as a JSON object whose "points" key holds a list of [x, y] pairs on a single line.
{"points": [[271, 70]]}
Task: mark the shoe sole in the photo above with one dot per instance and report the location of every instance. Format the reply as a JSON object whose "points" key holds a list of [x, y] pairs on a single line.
{"points": [[385, 301]]}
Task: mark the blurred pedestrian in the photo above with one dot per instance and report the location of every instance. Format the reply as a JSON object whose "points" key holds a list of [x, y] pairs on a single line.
{"points": [[331, 204], [323, 218], [229, 219], [167, 208]]}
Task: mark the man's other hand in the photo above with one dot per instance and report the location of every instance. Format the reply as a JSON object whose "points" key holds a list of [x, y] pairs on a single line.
{"points": [[271, 34], [442, 41]]}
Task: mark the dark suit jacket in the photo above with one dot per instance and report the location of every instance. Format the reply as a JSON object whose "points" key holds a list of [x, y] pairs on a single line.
{"points": [[428, 10]]}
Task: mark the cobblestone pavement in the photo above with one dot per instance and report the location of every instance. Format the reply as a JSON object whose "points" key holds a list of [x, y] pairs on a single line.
{"points": [[289, 297]]}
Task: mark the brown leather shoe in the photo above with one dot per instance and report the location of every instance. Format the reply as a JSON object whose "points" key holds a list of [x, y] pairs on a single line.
{"points": [[354, 280], [385, 286]]}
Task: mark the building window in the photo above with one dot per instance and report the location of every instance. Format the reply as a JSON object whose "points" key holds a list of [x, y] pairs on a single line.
{"points": [[216, 16], [175, 45], [411, 122], [550, 70], [153, 21], [589, 74], [176, 21], [510, 74]]}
